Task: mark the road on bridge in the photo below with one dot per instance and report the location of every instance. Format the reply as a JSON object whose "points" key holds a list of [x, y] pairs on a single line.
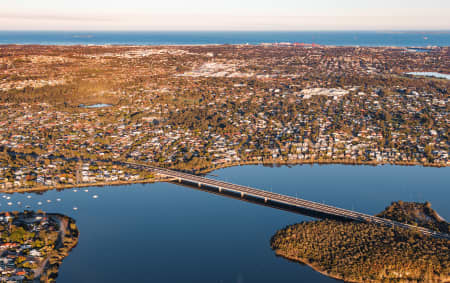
{"points": [[283, 199]]}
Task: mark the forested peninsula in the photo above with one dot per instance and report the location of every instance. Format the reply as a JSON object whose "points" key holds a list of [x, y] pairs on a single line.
{"points": [[365, 252]]}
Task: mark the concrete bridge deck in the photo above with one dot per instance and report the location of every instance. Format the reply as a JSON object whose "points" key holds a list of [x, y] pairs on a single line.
{"points": [[266, 196]]}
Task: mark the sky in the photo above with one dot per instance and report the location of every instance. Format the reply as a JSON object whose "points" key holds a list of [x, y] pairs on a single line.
{"points": [[225, 15]]}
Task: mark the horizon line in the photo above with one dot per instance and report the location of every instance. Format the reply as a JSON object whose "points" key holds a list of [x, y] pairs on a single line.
{"points": [[225, 30]]}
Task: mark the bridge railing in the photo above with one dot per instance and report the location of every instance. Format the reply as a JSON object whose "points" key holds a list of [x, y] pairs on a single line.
{"points": [[289, 200]]}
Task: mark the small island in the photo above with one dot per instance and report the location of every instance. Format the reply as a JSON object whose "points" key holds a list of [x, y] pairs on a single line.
{"points": [[365, 252], [33, 245]]}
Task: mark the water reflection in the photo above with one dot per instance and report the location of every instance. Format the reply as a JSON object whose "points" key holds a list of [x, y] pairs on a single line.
{"points": [[269, 203], [169, 233]]}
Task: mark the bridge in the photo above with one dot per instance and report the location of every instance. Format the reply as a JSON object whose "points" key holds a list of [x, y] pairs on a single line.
{"points": [[266, 196]]}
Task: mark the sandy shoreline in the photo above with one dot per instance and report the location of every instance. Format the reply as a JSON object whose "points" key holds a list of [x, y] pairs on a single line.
{"points": [[222, 166], [318, 162]]}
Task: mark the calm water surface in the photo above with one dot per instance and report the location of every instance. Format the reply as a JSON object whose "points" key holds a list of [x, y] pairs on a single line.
{"points": [[340, 38], [430, 74], [168, 233]]}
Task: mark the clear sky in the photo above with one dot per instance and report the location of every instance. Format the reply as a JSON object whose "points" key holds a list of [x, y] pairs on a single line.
{"points": [[225, 15]]}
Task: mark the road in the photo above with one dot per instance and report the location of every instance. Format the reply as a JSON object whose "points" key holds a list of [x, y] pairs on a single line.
{"points": [[284, 199]]}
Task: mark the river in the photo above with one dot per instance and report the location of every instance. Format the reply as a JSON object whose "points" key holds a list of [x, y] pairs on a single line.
{"points": [[168, 233]]}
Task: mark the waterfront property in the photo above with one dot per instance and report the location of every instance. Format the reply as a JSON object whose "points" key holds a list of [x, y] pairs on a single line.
{"points": [[165, 225]]}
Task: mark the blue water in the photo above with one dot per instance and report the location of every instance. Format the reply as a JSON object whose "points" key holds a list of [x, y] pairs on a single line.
{"points": [[99, 105], [430, 74], [344, 38], [168, 233]]}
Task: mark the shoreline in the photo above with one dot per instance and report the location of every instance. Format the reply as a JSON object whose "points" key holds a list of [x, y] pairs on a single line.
{"points": [[293, 241], [84, 185], [263, 44], [276, 162], [316, 268], [38, 189]]}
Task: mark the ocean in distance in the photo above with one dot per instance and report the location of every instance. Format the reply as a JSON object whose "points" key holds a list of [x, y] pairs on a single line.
{"points": [[340, 38]]}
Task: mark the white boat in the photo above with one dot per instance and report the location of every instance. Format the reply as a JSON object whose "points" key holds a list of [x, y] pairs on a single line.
{"points": [[58, 199], [75, 191], [95, 196], [19, 203], [28, 197], [9, 203], [8, 197], [49, 201], [39, 202], [75, 208], [86, 190]]}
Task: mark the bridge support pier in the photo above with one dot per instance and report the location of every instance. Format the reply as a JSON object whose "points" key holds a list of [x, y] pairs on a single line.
{"points": [[220, 189], [173, 176]]}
